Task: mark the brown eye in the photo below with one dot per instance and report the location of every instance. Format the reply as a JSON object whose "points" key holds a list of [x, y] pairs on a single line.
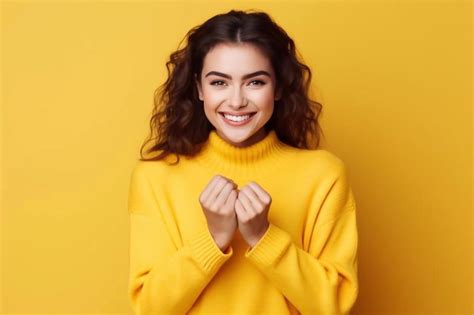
{"points": [[259, 82], [217, 81]]}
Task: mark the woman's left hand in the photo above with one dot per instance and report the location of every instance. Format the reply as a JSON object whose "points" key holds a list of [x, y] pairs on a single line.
{"points": [[252, 206]]}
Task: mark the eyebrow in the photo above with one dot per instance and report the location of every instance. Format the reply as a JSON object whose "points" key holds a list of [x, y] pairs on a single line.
{"points": [[249, 75]]}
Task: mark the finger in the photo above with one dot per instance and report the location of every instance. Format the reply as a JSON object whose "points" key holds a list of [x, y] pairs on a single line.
{"points": [[230, 202], [209, 187], [246, 203], [221, 181], [223, 195], [228, 179], [254, 199], [240, 211], [261, 193]]}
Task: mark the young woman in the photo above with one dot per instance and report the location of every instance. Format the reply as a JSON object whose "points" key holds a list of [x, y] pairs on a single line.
{"points": [[250, 220]]}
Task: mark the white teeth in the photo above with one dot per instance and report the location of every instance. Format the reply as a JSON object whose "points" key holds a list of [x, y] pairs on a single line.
{"points": [[236, 118]]}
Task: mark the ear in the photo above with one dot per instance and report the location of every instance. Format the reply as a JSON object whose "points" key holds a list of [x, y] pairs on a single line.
{"points": [[198, 85], [278, 95]]}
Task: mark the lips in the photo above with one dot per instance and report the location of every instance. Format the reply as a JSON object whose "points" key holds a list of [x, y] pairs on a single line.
{"points": [[238, 114]]}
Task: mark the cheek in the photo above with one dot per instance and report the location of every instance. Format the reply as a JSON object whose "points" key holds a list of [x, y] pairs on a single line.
{"points": [[212, 97], [210, 111], [265, 101]]}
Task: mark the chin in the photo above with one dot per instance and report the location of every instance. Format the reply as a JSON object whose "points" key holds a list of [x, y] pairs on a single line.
{"points": [[239, 137]]}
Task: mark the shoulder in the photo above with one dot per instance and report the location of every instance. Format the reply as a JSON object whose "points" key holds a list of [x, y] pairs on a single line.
{"points": [[149, 170], [333, 179], [321, 161]]}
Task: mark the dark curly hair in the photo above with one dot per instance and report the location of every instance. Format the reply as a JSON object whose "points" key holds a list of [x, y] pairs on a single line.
{"points": [[179, 125]]}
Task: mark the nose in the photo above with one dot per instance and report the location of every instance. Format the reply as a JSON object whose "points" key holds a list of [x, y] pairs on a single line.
{"points": [[238, 99]]}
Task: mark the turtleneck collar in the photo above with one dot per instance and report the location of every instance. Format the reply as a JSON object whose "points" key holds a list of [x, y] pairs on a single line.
{"points": [[226, 157]]}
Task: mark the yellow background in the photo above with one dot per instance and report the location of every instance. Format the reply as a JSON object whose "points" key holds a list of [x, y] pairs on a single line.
{"points": [[395, 80]]}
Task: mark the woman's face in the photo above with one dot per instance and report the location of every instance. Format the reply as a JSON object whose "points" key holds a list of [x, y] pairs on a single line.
{"points": [[239, 80]]}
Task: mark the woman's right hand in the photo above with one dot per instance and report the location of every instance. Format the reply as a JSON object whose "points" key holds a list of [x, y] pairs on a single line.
{"points": [[217, 201]]}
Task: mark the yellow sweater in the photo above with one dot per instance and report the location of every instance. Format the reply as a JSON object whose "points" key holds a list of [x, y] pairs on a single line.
{"points": [[306, 262]]}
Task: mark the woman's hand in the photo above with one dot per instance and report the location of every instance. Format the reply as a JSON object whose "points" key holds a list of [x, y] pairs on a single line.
{"points": [[252, 206], [217, 201]]}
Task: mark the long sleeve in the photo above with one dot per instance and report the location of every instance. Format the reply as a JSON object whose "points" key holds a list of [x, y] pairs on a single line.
{"points": [[321, 277], [165, 277]]}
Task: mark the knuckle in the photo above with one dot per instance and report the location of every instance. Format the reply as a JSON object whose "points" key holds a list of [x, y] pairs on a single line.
{"points": [[201, 199], [267, 199]]}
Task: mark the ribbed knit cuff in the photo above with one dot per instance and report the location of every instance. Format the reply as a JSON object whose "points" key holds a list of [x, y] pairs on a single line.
{"points": [[206, 252], [270, 247]]}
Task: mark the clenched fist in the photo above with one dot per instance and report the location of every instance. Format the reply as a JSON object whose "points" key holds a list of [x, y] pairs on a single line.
{"points": [[217, 201], [252, 206]]}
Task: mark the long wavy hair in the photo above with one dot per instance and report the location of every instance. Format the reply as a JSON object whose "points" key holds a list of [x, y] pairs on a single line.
{"points": [[179, 125]]}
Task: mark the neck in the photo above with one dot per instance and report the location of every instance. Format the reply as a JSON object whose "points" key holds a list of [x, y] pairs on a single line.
{"points": [[257, 137], [225, 157]]}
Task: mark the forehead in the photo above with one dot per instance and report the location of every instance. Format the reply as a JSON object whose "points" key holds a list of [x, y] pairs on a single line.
{"points": [[236, 59]]}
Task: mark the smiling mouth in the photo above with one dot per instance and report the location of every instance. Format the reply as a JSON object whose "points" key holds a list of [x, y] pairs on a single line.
{"points": [[239, 121], [223, 114]]}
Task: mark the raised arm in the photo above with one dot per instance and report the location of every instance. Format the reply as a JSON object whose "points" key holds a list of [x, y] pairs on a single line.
{"points": [[321, 277], [165, 277]]}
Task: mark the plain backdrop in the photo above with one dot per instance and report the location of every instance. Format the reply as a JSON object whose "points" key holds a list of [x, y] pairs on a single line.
{"points": [[78, 77]]}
